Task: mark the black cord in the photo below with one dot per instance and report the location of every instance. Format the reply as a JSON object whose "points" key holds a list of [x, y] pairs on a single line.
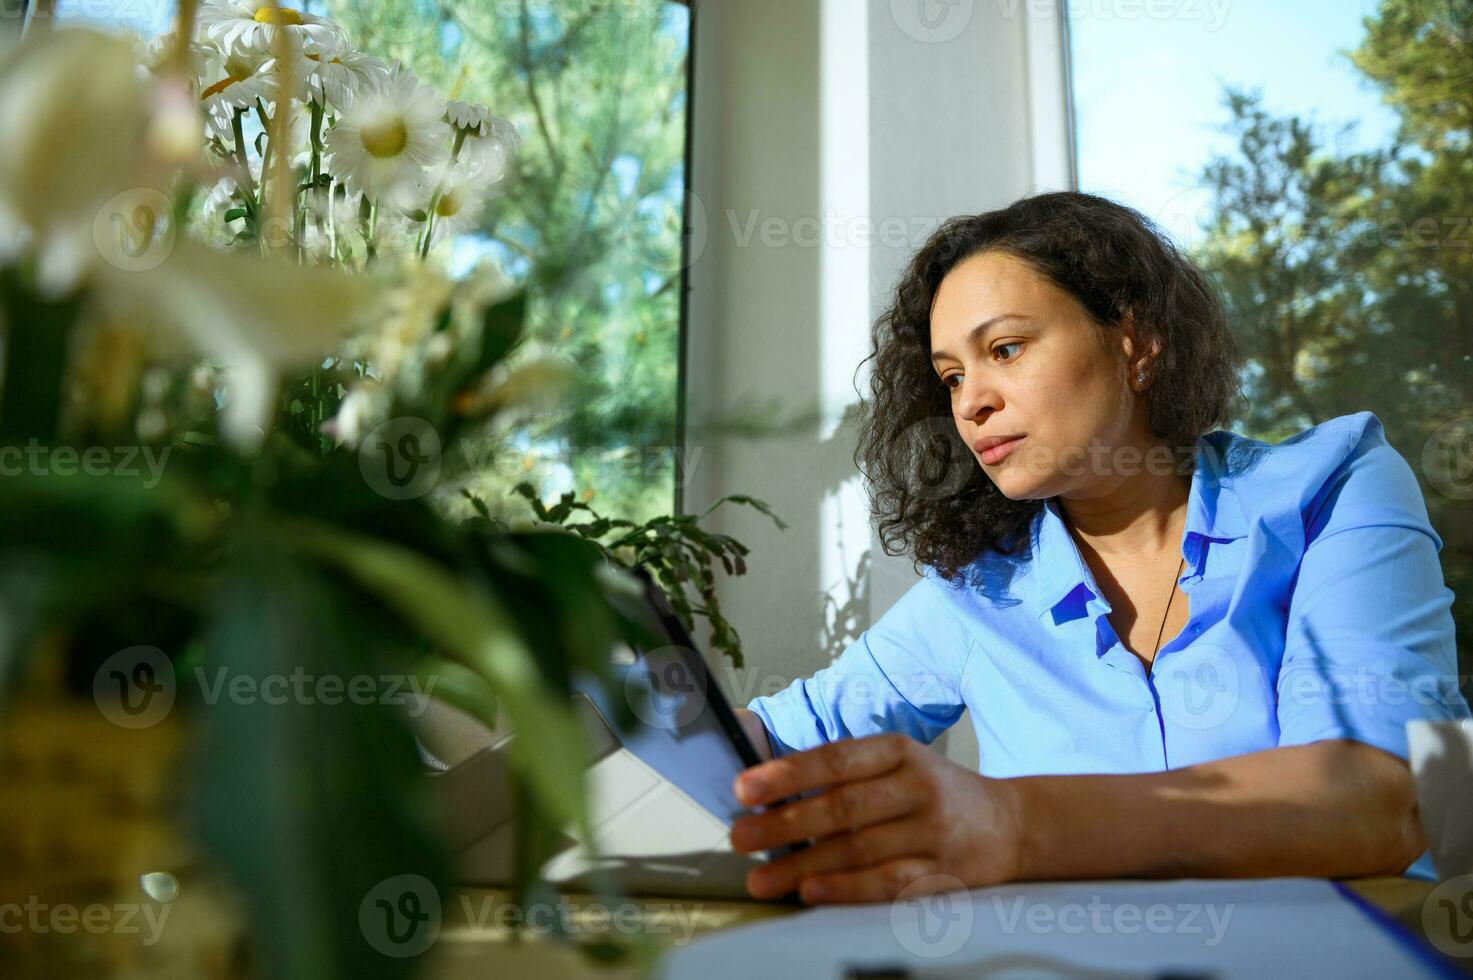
{"points": [[1162, 628]]}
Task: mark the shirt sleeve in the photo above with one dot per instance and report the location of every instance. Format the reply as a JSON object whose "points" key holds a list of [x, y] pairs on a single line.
{"points": [[1370, 636], [903, 674]]}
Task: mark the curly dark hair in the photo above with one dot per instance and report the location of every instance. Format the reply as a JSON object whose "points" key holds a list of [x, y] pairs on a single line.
{"points": [[927, 494]]}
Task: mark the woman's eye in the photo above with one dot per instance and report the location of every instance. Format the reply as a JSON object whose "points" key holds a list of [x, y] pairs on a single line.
{"points": [[950, 378], [1004, 347]]}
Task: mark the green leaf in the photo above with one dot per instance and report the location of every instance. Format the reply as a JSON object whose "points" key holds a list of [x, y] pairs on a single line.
{"points": [[477, 503], [234, 213], [459, 686], [308, 805], [36, 336], [501, 327], [528, 491], [470, 625], [752, 502]]}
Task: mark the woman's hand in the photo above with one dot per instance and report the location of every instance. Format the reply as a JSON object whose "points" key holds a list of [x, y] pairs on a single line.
{"points": [[892, 811]]}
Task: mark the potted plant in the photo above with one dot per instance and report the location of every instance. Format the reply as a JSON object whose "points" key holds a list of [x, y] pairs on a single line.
{"points": [[234, 398]]}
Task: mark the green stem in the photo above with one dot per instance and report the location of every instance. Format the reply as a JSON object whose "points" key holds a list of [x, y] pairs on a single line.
{"points": [[372, 233], [316, 169], [247, 185], [424, 244], [332, 226]]}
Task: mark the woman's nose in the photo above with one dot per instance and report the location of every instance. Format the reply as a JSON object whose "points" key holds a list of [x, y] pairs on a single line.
{"points": [[979, 394]]}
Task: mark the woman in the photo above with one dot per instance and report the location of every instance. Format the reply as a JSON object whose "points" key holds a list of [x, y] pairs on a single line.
{"points": [[1185, 652]]}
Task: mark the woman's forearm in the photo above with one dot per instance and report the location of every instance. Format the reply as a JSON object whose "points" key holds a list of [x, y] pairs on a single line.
{"points": [[1328, 809]]}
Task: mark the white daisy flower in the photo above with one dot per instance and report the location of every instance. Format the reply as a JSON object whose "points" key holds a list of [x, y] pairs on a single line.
{"points": [[158, 52], [239, 25], [233, 81], [473, 118], [383, 142], [210, 224], [461, 200], [336, 72], [488, 156]]}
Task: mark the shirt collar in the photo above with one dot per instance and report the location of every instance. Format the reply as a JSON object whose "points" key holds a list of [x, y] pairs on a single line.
{"points": [[1213, 512]]}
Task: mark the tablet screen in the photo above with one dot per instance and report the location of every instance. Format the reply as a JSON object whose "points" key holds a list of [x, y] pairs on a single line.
{"points": [[687, 731]]}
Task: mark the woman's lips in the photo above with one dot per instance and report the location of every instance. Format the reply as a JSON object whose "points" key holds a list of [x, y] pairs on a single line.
{"points": [[998, 451]]}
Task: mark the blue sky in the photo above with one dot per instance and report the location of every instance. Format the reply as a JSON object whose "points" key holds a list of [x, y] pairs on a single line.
{"points": [[1148, 90]]}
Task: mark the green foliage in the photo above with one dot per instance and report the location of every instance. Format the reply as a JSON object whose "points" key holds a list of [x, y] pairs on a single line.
{"points": [[1349, 277], [288, 560], [674, 548]]}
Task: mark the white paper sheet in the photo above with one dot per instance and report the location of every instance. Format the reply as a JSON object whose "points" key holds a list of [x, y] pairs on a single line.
{"points": [[1251, 929]]}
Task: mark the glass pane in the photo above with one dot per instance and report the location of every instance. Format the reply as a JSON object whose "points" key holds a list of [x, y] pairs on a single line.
{"points": [[592, 223], [597, 91], [1317, 158]]}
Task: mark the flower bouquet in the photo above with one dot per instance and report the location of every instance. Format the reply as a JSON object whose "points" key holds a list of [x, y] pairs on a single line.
{"points": [[217, 255]]}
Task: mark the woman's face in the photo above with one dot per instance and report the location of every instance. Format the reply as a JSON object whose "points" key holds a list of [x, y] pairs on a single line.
{"points": [[1021, 357]]}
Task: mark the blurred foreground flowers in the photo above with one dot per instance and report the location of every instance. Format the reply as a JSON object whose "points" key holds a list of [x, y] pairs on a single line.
{"points": [[217, 256]]}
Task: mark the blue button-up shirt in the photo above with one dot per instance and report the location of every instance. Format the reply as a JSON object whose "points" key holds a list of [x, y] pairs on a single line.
{"points": [[1317, 610]]}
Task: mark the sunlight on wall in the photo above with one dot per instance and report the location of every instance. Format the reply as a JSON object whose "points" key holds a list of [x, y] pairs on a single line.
{"points": [[844, 294]]}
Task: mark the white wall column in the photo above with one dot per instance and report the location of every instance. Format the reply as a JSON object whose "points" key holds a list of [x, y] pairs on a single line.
{"points": [[830, 138]]}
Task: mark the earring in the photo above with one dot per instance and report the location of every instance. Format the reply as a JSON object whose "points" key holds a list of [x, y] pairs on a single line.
{"points": [[1140, 379]]}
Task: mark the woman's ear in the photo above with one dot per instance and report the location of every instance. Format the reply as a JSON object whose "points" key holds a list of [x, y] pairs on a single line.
{"points": [[1140, 358]]}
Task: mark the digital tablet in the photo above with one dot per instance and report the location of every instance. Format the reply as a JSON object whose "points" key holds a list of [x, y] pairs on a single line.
{"points": [[687, 730]]}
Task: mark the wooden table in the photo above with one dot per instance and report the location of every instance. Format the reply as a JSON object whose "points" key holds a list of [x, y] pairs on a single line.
{"points": [[473, 941]]}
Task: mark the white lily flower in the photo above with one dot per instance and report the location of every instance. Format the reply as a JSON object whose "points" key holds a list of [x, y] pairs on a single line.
{"points": [[382, 143], [254, 317], [72, 109]]}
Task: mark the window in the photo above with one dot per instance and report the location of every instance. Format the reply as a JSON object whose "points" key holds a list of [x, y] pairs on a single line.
{"points": [[1314, 158], [597, 91]]}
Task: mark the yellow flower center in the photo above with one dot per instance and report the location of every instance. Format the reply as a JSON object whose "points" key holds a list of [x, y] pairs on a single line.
{"points": [[385, 139], [449, 204], [278, 15]]}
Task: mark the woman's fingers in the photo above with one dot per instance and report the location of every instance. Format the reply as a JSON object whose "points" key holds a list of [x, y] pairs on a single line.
{"points": [[844, 807], [841, 761], [880, 883], [863, 848]]}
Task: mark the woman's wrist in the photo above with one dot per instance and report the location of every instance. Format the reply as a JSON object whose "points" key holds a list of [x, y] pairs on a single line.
{"points": [[1022, 817], [756, 732]]}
